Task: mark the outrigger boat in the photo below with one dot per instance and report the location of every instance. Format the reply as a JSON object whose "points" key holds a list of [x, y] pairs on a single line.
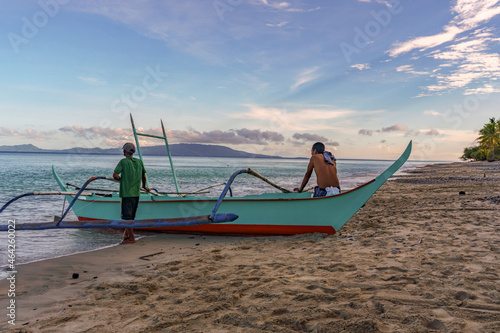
{"points": [[285, 213]]}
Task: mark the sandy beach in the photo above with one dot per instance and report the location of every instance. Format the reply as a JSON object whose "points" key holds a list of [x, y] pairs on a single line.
{"points": [[421, 256]]}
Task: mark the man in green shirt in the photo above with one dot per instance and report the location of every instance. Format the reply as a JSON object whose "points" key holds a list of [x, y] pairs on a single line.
{"points": [[130, 172]]}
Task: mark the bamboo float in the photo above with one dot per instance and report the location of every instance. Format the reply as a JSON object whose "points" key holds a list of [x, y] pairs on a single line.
{"points": [[40, 193], [258, 175]]}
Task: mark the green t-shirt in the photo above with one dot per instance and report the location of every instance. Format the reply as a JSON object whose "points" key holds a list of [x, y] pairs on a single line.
{"points": [[131, 170]]}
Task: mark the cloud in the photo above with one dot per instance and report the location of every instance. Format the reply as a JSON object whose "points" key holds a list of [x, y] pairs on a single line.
{"points": [[388, 3], [309, 137], [28, 134], [432, 132], [258, 135], [284, 6], [281, 24], [469, 63], [96, 131], [424, 43], [365, 132], [412, 133], [236, 137], [302, 138], [307, 75], [297, 117], [486, 89], [395, 128], [409, 69], [470, 13], [92, 81], [275, 4], [431, 113], [465, 57], [361, 66]]}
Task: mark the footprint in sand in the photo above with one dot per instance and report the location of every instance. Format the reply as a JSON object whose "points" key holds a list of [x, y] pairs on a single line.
{"points": [[436, 325]]}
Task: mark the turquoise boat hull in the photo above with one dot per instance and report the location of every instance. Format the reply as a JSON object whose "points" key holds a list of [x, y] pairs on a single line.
{"points": [[265, 214]]}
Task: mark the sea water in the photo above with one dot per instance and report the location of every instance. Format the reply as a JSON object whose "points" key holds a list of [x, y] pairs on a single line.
{"points": [[32, 172]]}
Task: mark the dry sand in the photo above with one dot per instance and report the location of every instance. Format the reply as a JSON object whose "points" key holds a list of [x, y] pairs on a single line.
{"points": [[419, 257]]}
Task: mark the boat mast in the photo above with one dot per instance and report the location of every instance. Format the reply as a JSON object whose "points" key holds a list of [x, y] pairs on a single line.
{"points": [[137, 143], [164, 137], [169, 157]]}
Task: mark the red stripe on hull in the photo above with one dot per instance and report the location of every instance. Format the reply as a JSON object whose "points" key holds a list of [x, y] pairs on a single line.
{"points": [[247, 229], [242, 229]]}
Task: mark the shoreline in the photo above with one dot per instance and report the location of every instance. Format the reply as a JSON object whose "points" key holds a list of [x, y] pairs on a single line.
{"points": [[4, 271], [420, 256]]}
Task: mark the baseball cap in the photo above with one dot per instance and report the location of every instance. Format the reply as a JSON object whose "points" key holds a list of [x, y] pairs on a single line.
{"points": [[129, 148]]}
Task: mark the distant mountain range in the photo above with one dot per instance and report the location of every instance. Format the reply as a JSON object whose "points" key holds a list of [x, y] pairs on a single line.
{"points": [[180, 149]]}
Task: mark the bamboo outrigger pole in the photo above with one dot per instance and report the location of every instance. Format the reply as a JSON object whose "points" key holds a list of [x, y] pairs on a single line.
{"points": [[258, 175]]}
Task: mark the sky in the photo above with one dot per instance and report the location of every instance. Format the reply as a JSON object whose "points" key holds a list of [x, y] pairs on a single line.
{"points": [[270, 77]]}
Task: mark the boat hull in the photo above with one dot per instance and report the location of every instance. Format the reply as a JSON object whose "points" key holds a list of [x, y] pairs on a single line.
{"points": [[265, 214]]}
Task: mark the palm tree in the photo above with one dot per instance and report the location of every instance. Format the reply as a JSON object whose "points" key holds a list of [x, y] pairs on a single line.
{"points": [[490, 136]]}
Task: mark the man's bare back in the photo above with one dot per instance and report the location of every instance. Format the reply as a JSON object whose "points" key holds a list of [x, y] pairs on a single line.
{"points": [[326, 173]]}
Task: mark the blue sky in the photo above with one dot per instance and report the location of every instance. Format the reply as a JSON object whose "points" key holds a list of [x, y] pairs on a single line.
{"points": [[263, 76]]}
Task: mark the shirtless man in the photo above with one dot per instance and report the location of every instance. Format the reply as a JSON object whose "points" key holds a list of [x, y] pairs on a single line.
{"points": [[325, 167]]}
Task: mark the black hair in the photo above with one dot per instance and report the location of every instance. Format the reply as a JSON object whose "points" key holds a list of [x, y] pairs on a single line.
{"points": [[319, 147]]}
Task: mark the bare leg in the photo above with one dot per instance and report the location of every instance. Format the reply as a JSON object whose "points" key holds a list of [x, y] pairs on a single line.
{"points": [[128, 236]]}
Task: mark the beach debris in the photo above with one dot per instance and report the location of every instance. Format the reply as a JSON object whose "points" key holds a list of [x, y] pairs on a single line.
{"points": [[75, 275], [462, 295], [419, 242], [150, 255], [461, 193], [493, 199]]}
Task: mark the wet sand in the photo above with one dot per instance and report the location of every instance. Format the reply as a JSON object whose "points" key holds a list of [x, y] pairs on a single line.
{"points": [[421, 256]]}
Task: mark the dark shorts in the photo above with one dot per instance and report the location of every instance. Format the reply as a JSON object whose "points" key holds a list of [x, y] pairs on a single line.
{"points": [[129, 207], [320, 192]]}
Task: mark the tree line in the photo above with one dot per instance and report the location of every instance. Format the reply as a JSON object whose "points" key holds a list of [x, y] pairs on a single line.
{"points": [[489, 143]]}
